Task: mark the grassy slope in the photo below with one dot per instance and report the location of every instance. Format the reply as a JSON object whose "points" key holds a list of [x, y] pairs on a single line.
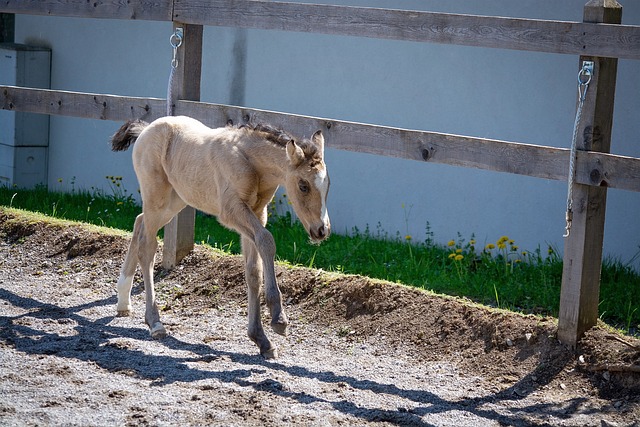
{"points": [[499, 275]]}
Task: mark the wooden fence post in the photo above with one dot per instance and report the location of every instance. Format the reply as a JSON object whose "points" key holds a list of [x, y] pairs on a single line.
{"points": [[179, 232], [580, 293]]}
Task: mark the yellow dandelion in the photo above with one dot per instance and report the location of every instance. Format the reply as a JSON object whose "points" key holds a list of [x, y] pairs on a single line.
{"points": [[407, 237], [459, 257], [458, 251], [452, 255], [451, 243], [472, 242], [501, 246], [490, 246]]}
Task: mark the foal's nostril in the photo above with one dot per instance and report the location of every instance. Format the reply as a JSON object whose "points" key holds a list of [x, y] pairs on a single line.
{"points": [[320, 233]]}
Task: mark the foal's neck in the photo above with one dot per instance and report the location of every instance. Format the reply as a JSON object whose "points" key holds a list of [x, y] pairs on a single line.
{"points": [[268, 158]]}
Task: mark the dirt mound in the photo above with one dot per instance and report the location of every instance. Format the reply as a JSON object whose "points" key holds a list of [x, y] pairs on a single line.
{"points": [[515, 350], [515, 356]]}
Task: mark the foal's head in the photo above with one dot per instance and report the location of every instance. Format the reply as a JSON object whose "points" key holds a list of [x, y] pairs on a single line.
{"points": [[307, 185]]}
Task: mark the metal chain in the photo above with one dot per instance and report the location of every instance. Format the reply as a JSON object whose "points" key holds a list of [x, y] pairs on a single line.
{"points": [[584, 78], [176, 41]]}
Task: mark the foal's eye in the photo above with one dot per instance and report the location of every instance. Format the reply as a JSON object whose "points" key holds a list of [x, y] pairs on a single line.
{"points": [[303, 186]]}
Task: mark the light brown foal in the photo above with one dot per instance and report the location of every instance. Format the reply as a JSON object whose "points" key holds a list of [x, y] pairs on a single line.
{"points": [[232, 173]]}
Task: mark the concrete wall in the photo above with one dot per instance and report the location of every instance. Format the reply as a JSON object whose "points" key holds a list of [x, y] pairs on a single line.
{"points": [[510, 95]]}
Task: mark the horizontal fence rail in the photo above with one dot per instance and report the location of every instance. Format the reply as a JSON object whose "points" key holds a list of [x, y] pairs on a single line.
{"points": [[152, 10], [593, 168], [564, 37]]}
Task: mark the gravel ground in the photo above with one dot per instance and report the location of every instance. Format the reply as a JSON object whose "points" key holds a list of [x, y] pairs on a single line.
{"points": [[65, 359]]}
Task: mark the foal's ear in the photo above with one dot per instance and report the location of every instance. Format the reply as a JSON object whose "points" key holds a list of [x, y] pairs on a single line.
{"points": [[294, 153], [318, 139]]}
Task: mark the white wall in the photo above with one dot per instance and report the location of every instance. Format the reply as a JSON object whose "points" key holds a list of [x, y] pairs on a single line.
{"points": [[510, 95]]}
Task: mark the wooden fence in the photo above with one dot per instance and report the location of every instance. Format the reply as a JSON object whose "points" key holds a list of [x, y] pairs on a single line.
{"points": [[599, 38]]}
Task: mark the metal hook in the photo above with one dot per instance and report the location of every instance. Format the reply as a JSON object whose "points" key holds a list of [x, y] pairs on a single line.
{"points": [[585, 71], [584, 78], [176, 41], [569, 220], [176, 38]]}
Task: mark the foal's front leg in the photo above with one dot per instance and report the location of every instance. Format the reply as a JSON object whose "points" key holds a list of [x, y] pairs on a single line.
{"points": [[267, 249], [253, 277], [251, 226], [266, 246]]}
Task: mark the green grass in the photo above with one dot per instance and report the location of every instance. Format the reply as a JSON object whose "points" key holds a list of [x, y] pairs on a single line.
{"points": [[499, 274]]}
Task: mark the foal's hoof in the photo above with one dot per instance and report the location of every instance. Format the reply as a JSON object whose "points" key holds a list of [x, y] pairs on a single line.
{"points": [[279, 328], [158, 331], [124, 313], [271, 353]]}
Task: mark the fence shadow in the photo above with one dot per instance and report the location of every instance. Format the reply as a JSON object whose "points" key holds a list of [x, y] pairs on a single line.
{"points": [[92, 343]]}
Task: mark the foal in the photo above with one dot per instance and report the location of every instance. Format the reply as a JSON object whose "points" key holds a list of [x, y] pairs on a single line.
{"points": [[231, 173]]}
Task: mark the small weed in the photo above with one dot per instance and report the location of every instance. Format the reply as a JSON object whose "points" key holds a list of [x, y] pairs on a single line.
{"points": [[345, 331]]}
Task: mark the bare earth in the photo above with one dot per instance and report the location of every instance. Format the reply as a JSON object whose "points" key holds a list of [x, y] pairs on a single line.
{"points": [[359, 352]]}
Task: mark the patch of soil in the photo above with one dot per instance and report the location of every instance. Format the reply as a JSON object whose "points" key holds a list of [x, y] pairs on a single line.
{"points": [[501, 360]]}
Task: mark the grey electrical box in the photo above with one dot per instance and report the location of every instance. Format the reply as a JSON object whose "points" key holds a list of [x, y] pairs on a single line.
{"points": [[24, 137]]}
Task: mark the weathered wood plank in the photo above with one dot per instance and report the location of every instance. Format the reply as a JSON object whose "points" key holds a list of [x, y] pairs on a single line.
{"points": [[155, 10], [582, 261], [524, 159], [575, 38], [592, 168], [85, 105], [596, 169]]}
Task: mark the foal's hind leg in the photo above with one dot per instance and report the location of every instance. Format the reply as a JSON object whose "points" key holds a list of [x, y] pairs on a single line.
{"points": [[125, 281], [155, 215], [147, 256]]}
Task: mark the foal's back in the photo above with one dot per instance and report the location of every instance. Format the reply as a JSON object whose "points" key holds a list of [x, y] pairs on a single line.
{"points": [[200, 164]]}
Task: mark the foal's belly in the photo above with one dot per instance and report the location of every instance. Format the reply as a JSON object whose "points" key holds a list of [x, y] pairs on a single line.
{"points": [[205, 199]]}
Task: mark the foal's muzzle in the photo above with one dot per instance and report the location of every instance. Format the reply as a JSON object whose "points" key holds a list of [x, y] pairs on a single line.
{"points": [[320, 233]]}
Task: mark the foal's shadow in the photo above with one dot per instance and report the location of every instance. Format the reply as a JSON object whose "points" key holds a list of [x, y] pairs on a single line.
{"points": [[95, 342]]}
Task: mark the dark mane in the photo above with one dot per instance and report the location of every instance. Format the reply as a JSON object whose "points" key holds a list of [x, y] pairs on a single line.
{"points": [[282, 138], [270, 133]]}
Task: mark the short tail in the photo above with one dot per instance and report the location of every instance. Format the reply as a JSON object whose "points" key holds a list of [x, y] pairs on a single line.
{"points": [[127, 134]]}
